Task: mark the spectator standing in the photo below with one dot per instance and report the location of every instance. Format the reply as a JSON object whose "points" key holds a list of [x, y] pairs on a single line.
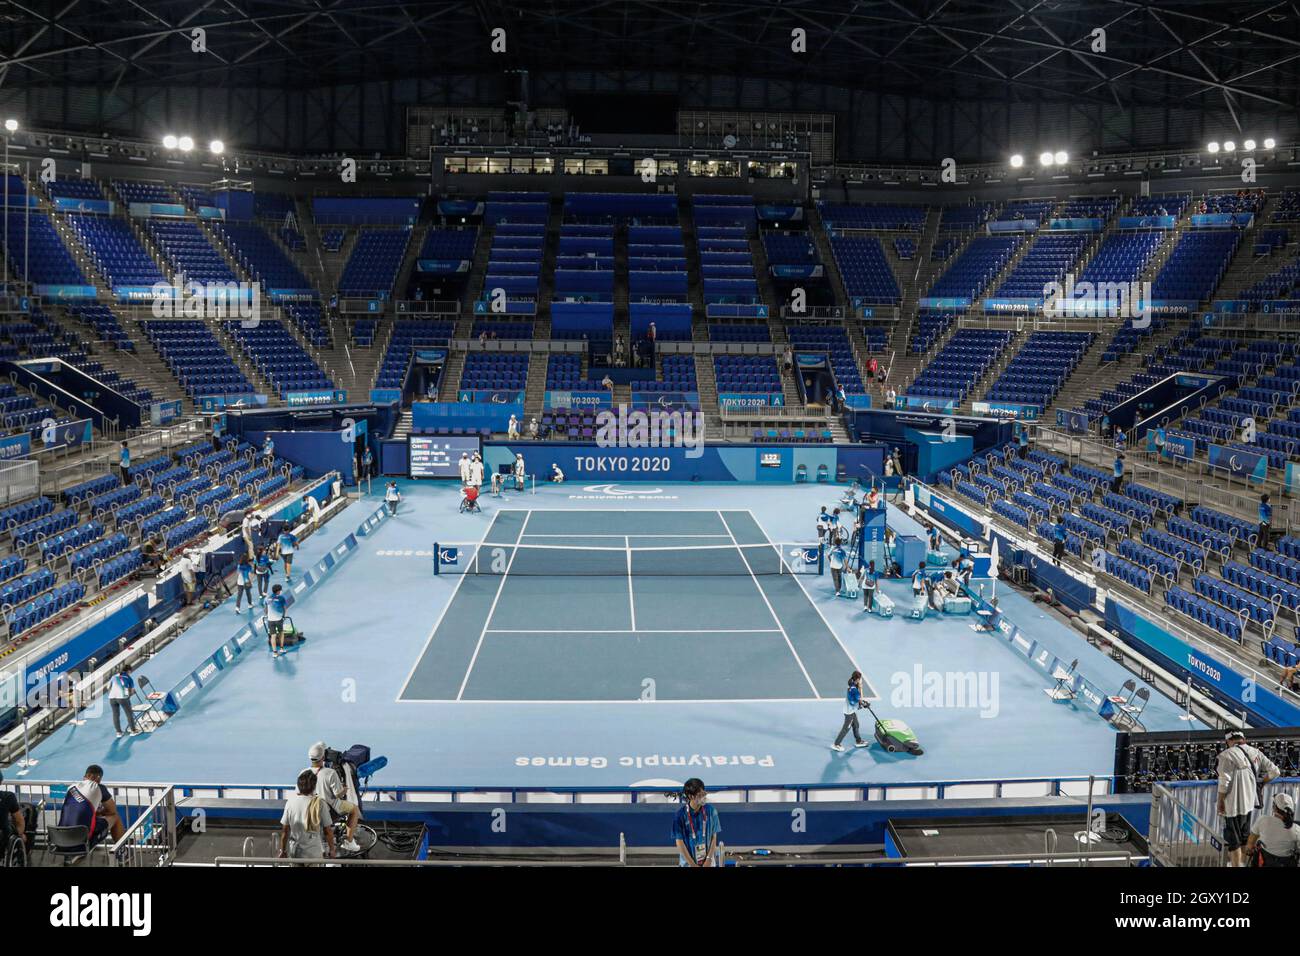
{"points": [[1242, 771], [124, 463], [1265, 522]]}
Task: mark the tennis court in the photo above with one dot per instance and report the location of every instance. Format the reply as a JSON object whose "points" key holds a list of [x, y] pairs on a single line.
{"points": [[558, 606]]}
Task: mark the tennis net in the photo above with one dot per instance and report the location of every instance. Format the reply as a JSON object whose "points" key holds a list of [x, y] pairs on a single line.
{"points": [[580, 561]]}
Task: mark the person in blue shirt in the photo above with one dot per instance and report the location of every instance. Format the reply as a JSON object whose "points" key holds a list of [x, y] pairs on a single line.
{"points": [[367, 461], [275, 608], [286, 544], [1265, 522], [918, 590], [696, 827], [1118, 481], [124, 463], [268, 452], [243, 582], [1121, 439], [1022, 442], [262, 569], [852, 701], [868, 577], [965, 568], [936, 539], [1060, 535]]}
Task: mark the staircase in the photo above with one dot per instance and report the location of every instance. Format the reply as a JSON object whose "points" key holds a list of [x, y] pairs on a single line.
{"points": [[451, 373], [827, 255], [414, 243], [153, 375], [1091, 377]]}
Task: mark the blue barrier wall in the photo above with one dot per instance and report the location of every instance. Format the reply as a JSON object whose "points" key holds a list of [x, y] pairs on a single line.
{"points": [[732, 462]]}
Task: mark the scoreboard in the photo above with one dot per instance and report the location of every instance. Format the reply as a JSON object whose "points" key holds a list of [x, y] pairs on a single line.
{"points": [[438, 456]]}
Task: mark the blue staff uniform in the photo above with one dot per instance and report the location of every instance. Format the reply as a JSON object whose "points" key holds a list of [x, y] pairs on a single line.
{"points": [[697, 830]]}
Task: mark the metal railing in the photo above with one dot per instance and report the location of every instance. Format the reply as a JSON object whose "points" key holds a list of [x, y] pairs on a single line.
{"points": [[1177, 837], [151, 839], [1019, 787]]}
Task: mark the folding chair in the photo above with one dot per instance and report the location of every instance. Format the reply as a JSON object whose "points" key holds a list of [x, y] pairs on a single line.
{"points": [[1133, 710], [1064, 677]]}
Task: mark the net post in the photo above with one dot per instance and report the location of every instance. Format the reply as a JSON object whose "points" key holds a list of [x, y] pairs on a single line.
{"points": [[821, 559], [436, 562]]}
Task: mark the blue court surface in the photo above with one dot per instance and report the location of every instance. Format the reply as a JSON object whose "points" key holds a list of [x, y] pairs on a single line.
{"points": [[531, 664]]}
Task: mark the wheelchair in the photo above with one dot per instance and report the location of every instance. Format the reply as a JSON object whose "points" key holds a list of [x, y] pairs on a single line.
{"points": [[15, 851], [469, 503]]}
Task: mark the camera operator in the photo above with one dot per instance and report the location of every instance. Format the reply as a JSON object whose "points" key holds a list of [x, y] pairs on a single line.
{"points": [[331, 788]]}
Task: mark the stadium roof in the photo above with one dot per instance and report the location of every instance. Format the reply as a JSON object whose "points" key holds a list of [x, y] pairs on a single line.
{"points": [[1177, 53]]}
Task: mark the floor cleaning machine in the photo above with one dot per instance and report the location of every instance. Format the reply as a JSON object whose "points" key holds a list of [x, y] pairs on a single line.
{"points": [[895, 735]]}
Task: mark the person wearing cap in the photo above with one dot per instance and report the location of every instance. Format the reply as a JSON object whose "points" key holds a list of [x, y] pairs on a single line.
{"points": [[1242, 770], [1274, 837], [464, 469], [302, 823], [519, 472], [696, 827], [532, 428], [557, 475], [512, 428], [476, 470], [331, 789], [852, 701], [391, 497]]}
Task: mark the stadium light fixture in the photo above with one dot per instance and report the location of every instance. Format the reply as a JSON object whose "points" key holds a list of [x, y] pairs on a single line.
{"points": [[185, 143], [1045, 159], [1017, 161], [11, 125], [169, 141], [1270, 143], [1212, 147], [1248, 145], [1229, 146], [216, 147], [1061, 157]]}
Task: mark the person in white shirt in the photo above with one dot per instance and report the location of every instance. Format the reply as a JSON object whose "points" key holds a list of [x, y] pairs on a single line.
{"points": [[120, 686], [391, 497], [532, 428], [312, 510], [823, 525], [464, 468], [187, 566], [334, 793], [608, 383], [1274, 836], [890, 397], [1242, 770], [512, 428], [476, 472], [251, 527], [303, 823], [557, 476], [520, 472]]}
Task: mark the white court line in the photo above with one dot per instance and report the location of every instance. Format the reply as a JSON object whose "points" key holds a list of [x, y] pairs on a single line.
{"points": [[816, 608], [636, 700], [623, 630], [631, 598], [493, 608], [441, 614], [771, 610]]}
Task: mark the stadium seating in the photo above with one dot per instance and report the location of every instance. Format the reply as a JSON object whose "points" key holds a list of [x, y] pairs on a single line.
{"points": [[372, 267]]}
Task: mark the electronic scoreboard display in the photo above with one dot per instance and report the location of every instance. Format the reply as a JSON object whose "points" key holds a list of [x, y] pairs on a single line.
{"points": [[438, 456]]}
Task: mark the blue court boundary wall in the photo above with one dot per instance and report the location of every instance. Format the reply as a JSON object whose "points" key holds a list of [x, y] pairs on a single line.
{"points": [[811, 824], [214, 664], [1236, 691]]}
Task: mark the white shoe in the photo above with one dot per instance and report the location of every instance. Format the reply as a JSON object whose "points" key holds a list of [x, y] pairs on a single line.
{"points": [[838, 748], [350, 846], [863, 743], [119, 735]]}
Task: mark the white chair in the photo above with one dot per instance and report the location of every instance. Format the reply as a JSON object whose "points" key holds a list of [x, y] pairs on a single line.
{"points": [[1064, 688]]}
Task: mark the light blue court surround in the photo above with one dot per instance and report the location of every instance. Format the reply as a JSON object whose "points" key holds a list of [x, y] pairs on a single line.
{"points": [[549, 702]]}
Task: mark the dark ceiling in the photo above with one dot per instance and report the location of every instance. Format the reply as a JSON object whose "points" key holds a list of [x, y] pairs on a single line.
{"points": [[1175, 53]]}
